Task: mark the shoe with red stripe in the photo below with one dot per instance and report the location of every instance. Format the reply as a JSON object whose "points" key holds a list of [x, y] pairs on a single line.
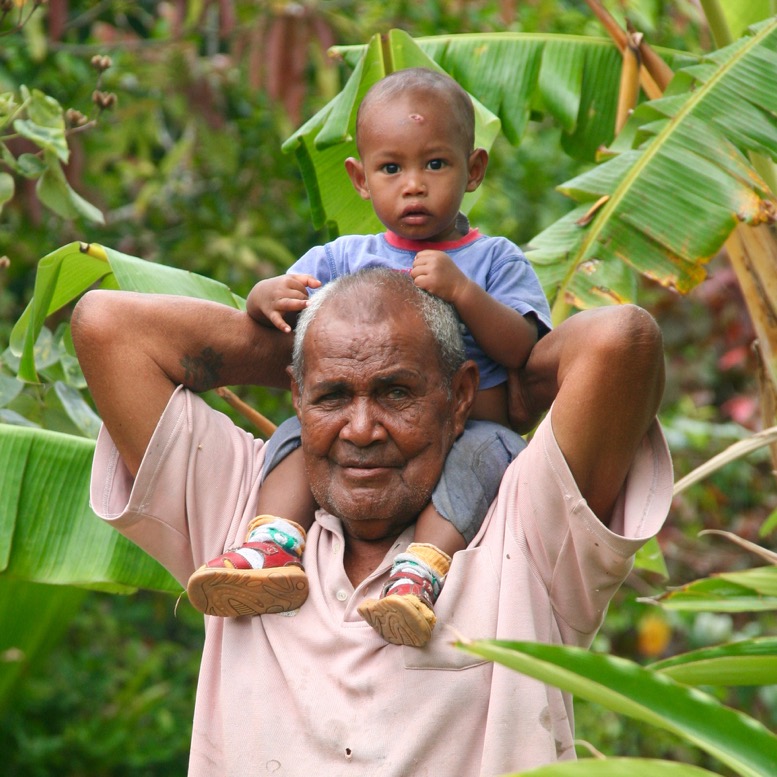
{"points": [[264, 575], [404, 614]]}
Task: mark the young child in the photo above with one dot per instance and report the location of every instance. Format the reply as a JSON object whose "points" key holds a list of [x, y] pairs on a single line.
{"points": [[415, 138]]}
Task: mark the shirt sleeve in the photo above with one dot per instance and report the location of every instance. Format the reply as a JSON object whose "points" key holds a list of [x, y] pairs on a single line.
{"points": [[581, 561], [513, 281], [318, 262], [195, 489]]}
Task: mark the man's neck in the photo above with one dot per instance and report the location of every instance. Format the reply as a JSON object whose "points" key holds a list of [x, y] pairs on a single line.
{"points": [[363, 557]]}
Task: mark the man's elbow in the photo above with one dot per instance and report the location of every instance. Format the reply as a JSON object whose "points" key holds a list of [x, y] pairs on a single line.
{"points": [[632, 343], [92, 322]]}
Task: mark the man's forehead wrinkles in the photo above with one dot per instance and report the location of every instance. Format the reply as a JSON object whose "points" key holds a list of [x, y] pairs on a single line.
{"points": [[355, 377]]}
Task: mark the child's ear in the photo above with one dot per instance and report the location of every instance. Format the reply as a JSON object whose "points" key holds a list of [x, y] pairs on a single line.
{"points": [[355, 170], [477, 164]]}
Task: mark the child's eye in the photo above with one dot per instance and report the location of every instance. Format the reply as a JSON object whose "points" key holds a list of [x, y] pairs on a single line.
{"points": [[436, 164], [391, 168]]}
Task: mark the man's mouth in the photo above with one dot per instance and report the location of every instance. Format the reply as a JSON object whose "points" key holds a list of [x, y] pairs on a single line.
{"points": [[365, 468], [365, 465]]}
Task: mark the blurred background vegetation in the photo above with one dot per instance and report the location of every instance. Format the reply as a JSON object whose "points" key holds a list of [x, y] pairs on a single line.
{"points": [[185, 164]]}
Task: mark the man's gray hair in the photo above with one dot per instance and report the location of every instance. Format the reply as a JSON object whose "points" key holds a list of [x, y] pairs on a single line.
{"points": [[384, 283]]}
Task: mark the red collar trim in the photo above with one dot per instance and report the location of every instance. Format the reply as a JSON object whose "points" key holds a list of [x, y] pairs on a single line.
{"points": [[419, 245]]}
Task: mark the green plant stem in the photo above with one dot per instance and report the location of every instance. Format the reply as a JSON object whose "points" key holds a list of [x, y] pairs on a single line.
{"points": [[560, 310], [721, 33]]}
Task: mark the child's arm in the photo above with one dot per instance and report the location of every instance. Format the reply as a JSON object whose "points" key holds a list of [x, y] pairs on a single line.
{"points": [[272, 300], [503, 333]]}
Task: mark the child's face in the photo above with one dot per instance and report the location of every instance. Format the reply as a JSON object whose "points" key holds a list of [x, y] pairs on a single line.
{"points": [[415, 167]]}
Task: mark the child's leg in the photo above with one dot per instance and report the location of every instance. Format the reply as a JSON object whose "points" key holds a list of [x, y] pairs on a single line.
{"points": [[404, 615], [434, 529], [285, 492], [265, 573]]}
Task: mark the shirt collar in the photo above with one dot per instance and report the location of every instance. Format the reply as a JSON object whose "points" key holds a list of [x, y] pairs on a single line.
{"points": [[419, 245]]}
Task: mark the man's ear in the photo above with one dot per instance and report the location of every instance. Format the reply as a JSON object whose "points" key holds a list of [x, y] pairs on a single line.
{"points": [[355, 170], [295, 391], [465, 386], [476, 168]]}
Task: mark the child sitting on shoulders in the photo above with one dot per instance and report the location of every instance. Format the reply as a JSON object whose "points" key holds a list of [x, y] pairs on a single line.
{"points": [[415, 136]]}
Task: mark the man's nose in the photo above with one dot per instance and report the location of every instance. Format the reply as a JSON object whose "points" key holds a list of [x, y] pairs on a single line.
{"points": [[362, 426]]}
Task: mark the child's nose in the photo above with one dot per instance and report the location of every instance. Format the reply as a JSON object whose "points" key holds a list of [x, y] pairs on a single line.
{"points": [[414, 183]]}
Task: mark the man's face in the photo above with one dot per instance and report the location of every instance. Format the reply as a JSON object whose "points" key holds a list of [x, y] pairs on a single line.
{"points": [[377, 422]]}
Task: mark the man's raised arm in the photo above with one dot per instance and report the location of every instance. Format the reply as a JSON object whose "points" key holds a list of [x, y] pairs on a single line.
{"points": [[135, 349], [604, 369]]}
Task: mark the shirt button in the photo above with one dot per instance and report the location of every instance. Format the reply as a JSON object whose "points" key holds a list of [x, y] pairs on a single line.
{"points": [[341, 595]]}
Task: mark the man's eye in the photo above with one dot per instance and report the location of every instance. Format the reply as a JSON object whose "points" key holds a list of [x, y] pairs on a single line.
{"points": [[330, 398], [397, 394], [436, 164]]}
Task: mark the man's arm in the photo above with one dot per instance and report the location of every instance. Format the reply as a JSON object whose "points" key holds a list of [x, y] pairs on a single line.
{"points": [[604, 369], [135, 349]]}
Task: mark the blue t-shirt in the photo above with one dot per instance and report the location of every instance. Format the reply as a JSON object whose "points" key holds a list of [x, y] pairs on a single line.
{"points": [[494, 263]]}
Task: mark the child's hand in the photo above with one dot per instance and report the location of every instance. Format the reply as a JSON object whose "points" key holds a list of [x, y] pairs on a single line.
{"points": [[272, 299], [435, 272]]}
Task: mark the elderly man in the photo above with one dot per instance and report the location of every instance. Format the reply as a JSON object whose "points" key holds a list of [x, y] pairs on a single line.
{"points": [[381, 395]]}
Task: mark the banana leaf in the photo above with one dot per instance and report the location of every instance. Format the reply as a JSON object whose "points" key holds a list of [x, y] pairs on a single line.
{"points": [[616, 767], [749, 662], [517, 75], [752, 590], [739, 16], [735, 739], [48, 533], [677, 185], [68, 272]]}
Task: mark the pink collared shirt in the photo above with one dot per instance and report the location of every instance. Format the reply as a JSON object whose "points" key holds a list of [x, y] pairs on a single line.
{"points": [[317, 692]]}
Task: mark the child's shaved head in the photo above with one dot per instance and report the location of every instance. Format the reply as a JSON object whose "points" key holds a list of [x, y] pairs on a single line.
{"points": [[422, 82]]}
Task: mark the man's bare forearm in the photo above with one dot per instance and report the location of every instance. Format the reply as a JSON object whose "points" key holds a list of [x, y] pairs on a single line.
{"points": [[135, 349]]}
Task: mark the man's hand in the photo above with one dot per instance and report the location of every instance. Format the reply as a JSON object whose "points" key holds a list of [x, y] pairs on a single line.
{"points": [[435, 272], [271, 300]]}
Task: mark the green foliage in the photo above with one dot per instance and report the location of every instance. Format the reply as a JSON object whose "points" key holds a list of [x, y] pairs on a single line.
{"points": [[44, 496], [115, 698], [748, 662], [25, 640], [616, 767], [34, 146], [187, 170], [735, 739], [57, 403]]}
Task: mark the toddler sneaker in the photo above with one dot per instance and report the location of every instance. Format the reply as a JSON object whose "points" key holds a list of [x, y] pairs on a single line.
{"points": [[264, 575], [404, 614]]}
